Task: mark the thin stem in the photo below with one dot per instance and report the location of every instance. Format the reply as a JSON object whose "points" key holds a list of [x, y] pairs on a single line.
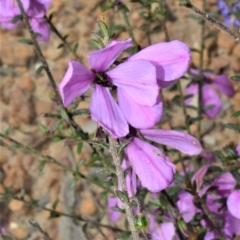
{"points": [[210, 216], [213, 21], [201, 73], [58, 213], [129, 29], [47, 70], [66, 44], [50, 159], [122, 183]]}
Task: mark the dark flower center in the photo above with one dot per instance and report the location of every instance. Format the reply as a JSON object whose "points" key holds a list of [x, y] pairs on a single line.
{"points": [[102, 79]]}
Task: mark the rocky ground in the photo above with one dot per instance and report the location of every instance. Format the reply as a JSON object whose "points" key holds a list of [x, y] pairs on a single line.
{"points": [[25, 98]]}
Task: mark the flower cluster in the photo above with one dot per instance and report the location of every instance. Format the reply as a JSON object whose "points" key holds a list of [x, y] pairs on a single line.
{"points": [[222, 200], [211, 102], [231, 15], [35, 10], [137, 81]]}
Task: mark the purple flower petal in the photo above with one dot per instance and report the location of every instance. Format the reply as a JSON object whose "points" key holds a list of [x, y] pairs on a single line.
{"points": [[39, 25], [171, 59], [75, 82], [131, 180], [153, 169], [198, 177], [107, 113], [139, 116], [238, 149], [192, 89], [102, 59], [178, 140], [233, 203], [113, 215], [210, 98], [165, 231], [186, 206], [138, 80], [225, 183], [37, 9], [224, 85]]}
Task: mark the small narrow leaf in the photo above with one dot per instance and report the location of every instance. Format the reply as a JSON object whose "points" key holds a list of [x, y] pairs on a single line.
{"points": [[26, 41], [9, 129], [55, 204], [43, 128], [64, 114], [236, 78], [61, 45], [17, 18], [39, 69], [22, 193], [236, 114], [75, 48], [79, 147], [14, 147], [41, 165], [73, 184], [233, 127], [122, 196]]}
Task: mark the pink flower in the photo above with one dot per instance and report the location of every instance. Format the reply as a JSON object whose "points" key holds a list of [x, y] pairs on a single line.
{"points": [[113, 215], [233, 203], [165, 231], [186, 206], [171, 60], [135, 80], [153, 168], [209, 95], [35, 10]]}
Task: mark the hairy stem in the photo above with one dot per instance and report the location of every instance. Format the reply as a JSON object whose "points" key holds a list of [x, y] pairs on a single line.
{"points": [[58, 213], [213, 21], [66, 44], [122, 183]]}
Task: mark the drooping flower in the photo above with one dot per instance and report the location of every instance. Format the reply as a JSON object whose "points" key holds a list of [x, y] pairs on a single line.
{"points": [[153, 168], [171, 60], [135, 79], [209, 96], [35, 10]]}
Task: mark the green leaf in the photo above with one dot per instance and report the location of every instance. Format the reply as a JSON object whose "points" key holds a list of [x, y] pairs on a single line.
{"points": [[64, 114], [22, 193], [195, 50], [236, 114], [56, 139], [17, 18], [43, 128], [14, 147], [39, 70], [80, 112], [163, 201], [79, 147], [26, 41], [233, 127], [73, 184], [236, 78], [230, 152], [61, 45], [55, 204], [105, 8], [121, 196], [219, 155], [41, 165], [6, 237], [96, 44], [79, 164], [9, 129], [75, 47]]}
